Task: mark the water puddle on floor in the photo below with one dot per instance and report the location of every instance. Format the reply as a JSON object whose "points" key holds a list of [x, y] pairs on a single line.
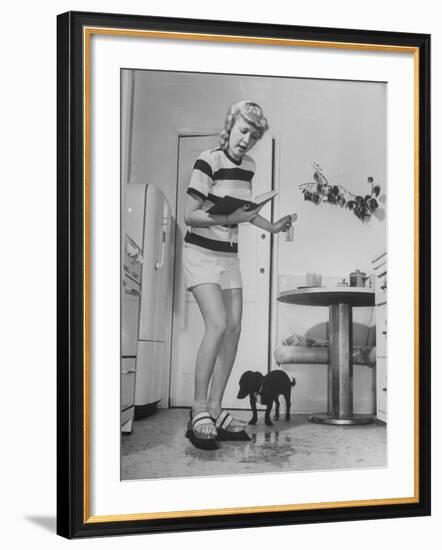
{"points": [[273, 447]]}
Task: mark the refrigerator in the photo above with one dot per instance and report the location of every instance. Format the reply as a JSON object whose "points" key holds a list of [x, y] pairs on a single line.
{"points": [[148, 220]]}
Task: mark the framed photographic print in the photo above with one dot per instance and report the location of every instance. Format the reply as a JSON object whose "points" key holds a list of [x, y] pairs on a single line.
{"points": [[243, 274]]}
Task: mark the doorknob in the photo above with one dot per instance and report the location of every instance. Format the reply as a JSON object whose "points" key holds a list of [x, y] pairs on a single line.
{"points": [[263, 235], [262, 270]]}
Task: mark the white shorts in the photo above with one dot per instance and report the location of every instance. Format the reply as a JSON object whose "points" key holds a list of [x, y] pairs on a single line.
{"points": [[201, 266]]}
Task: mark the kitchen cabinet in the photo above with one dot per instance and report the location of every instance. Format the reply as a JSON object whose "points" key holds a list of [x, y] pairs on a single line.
{"points": [[379, 264], [130, 306]]}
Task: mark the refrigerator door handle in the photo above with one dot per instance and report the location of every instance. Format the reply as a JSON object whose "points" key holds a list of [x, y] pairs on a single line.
{"points": [[160, 262]]}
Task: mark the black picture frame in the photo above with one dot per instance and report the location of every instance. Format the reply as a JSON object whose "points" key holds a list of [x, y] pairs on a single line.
{"points": [[73, 516]]}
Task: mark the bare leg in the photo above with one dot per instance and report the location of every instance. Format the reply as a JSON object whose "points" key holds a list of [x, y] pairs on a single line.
{"points": [[227, 351], [210, 301]]}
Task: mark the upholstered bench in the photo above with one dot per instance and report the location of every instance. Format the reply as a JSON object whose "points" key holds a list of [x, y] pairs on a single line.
{"points": [[297, 353], [312, 349]]}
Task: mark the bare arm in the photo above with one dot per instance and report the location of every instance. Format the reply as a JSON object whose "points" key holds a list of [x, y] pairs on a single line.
{"points": [[283, 224], [195, 217]]}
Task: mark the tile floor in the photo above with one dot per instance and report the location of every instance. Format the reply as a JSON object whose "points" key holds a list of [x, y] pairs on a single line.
{"points": [[157, 448]]}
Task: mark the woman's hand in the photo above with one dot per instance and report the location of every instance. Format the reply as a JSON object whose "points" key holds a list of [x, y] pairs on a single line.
{"points": [[283, 224], [243, 215]]}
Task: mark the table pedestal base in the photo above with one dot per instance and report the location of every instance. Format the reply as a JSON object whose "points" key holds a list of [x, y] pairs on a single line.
{"points": [[354, 419]]}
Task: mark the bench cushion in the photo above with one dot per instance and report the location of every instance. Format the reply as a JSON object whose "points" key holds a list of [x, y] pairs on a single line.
{"points": [[299, 340], [284, 354]]}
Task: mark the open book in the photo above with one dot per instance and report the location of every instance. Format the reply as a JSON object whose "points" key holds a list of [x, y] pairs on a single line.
{"points": [[229, 204]]}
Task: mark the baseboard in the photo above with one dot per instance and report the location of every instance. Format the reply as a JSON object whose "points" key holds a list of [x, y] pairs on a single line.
{"points": [[380, 422], [143, 411]]}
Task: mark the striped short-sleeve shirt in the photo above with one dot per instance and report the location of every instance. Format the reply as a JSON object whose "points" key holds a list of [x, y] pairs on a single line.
{"points": [[215, 175]]}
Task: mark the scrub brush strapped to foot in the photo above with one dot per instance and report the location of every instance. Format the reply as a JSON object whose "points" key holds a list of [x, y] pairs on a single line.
{"points": [[201, 440], [228, 432]]}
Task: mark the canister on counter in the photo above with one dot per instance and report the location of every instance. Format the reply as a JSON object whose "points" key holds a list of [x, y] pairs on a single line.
{"points": [[357, 278]]}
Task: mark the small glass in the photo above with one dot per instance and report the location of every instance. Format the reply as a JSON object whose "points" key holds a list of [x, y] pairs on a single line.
{"points": [[290, 234]]}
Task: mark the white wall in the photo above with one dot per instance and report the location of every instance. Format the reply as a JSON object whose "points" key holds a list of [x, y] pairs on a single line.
{"points": [[339, 124], [28, 217]]}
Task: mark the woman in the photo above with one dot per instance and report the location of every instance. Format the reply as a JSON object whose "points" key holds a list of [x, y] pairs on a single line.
{"points": [[211, 266]]}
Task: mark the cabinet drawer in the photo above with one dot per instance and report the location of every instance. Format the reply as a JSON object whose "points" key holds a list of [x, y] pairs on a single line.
{"points": [[127, 383], [126, 416], [381, 287], [130, 307], [381, 331], [127, 390], [381, 388]]}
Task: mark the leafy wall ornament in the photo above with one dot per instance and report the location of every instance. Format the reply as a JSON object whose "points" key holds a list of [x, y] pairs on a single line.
{"points": [[321, 191]]}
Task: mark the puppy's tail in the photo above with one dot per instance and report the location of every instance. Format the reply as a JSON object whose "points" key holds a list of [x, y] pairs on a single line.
{"points": [[293, 382]]}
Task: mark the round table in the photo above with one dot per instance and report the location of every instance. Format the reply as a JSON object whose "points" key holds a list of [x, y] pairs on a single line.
{"points": [[340, 301]]}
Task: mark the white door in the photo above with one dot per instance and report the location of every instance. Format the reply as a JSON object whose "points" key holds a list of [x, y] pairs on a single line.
{"points": [[254, 254]]}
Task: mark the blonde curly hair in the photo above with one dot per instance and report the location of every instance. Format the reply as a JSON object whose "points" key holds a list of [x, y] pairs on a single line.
{"points": [[251, 112]]}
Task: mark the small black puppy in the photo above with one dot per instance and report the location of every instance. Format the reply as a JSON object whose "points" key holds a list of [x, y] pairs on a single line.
{"points": [[269, 388]]}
